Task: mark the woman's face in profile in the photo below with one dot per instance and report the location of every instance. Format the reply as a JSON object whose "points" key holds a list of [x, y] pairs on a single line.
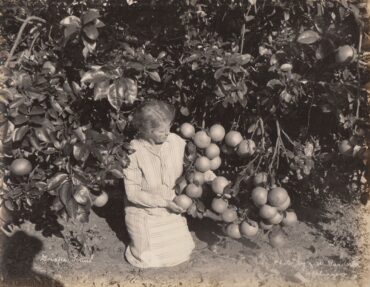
{"points": [[159, 134]]}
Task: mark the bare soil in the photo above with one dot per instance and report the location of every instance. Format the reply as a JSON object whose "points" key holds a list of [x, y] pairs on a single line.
{"points": [[309, 257]]}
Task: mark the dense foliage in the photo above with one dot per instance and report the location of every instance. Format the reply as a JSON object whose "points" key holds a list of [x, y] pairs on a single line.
{"points": [[286, 74]]}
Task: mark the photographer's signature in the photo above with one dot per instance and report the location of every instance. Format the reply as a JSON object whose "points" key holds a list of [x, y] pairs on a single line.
{"points": [[59, 260]]}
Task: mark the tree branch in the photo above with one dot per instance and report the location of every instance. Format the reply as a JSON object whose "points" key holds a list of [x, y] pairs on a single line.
{"points": [[18, 39]]}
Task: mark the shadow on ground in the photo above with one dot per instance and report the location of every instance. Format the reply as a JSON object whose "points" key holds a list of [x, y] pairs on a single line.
{"points": [[114, 214], [16, 258]]}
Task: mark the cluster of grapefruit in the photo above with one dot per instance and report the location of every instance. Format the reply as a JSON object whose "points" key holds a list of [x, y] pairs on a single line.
{"points": [[208, 146], [272, 210]]}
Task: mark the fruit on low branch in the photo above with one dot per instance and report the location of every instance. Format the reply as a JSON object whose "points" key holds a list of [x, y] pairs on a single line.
{"points": [[232, 230], [345, 54], [259, 195], [233, 138], [20, 167], [267, 211], [215, 163], [187, 130], [290, 218], [229, 215], [260, 178], [193, 190], [202, 164], [201, 139], [212, 151], [277, 196], [196, 177], [246, 148], [218, 184], [276, 219], [183, 201], [276, 238], [217, 132], [82, 194], [219, 205], [284, 206], [101, 200], [249, 228]]}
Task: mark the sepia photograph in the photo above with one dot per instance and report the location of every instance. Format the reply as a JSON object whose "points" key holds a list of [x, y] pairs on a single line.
{"points": [[176, 143]]}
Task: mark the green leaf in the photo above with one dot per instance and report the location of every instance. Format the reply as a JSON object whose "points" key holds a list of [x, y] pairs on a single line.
{"points": [[71, 207], [308, 37], [19, 120], [91, 32], [71, 21], [56, 180], [90, 16], [117, 173], [65, 192], [154, 76], [243, 59], [37, 110], [81, 152], [19, 133], [94, 76], [42, 135], [101, 90], [98, 23]]}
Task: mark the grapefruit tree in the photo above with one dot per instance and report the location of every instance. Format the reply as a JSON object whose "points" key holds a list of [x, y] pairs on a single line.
{"points": [[251, 111]]}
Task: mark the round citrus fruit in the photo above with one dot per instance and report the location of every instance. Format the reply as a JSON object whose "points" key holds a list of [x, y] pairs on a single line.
{"points": [[249, 228], [284, 206], [197, 177], [101, 200], [82, 194], [187, 130], [276, 238], [290, 218], [202, 164], [193, 191], [260, 178], [216, 163], [20, 167], [217, 132], [232, 230], [259, 195], [219, 205], [277, 196], [212, 151], [218, 184], [246, 148], [276, 219], [229, 215], [183, 201], [233, 138], [267, 211], [345, 54], [201, 139]]}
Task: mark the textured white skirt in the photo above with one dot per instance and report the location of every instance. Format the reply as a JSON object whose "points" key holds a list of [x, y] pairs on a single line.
{"points": [[160, 239]]}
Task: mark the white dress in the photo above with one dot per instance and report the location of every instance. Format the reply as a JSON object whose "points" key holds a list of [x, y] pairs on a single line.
{"points": [[159, 237]]}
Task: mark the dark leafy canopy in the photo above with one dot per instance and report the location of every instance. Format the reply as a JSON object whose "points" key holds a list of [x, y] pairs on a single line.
{"points": [[270, 69]]}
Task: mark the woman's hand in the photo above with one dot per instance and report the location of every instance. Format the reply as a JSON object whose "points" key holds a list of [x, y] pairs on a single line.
{"points": [[174, 207]]}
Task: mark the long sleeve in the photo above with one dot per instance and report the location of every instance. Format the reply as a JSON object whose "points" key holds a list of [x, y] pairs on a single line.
{"points": [[133, 179]]}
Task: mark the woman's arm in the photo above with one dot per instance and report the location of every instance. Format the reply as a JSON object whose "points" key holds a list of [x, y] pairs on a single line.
{"points": [[133, 179]]}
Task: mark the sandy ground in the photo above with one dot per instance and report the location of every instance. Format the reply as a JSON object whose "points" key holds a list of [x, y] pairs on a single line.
{"points": [[307, 259]]}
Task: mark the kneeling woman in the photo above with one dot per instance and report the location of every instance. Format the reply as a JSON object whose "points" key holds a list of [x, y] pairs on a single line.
{"points": [[159, 233]]}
